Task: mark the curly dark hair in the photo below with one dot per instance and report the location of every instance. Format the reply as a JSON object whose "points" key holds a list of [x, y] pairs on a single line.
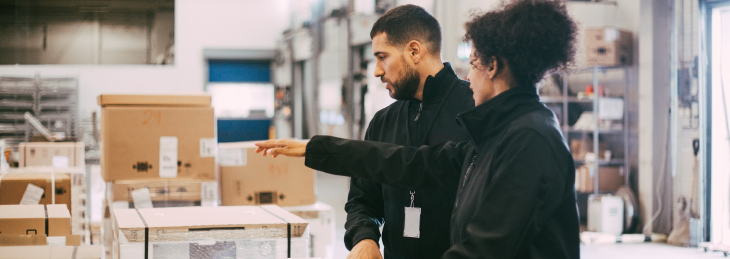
{"points": [[533, 36]]}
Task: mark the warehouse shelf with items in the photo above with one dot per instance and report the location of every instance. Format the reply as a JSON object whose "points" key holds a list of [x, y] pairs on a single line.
{"points": [[595, 125], [586, 132], [52, 100]]}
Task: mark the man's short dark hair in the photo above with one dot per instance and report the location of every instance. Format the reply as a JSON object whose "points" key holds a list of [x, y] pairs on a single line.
{"points": [[409, 22]]}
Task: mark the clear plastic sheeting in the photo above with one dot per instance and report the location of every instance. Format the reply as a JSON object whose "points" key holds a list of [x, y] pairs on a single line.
{"points": [[261, 248]]}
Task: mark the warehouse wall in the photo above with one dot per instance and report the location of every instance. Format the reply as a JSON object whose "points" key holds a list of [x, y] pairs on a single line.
{"points": [[198, 24]]}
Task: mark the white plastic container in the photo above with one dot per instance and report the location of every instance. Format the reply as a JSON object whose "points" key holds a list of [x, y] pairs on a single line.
{"points": [[606, 214]]}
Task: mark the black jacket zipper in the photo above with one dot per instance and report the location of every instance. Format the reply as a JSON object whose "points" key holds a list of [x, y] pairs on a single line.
{"points": [[468, 170]]}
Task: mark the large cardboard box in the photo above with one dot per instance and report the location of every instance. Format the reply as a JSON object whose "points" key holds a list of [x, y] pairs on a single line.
{"points": [[149, 137], [60, 154], [51, 220], [190, 223], [609, 179], [608, 47], [13, 186], [248, 178]]}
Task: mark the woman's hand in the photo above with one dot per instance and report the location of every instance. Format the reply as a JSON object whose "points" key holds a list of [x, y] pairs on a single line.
{"points": [[292, 148]]}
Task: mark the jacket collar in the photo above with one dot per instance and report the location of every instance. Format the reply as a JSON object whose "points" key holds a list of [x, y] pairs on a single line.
{"points": [[493, 116], [436, 87]]}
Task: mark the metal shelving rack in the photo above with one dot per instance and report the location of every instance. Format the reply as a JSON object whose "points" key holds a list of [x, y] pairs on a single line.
{"points": [[597, 131], [53, 101]]}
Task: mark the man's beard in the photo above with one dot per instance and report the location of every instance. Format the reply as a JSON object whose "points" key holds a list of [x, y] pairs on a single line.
{"points": [[407, 86]]}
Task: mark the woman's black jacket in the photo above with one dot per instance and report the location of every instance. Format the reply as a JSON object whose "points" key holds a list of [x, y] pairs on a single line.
{"points": [[514, 179]]}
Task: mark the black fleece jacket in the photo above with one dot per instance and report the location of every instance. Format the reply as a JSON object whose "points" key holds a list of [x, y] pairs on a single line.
{"points": [[515, 189], [410, 123]]}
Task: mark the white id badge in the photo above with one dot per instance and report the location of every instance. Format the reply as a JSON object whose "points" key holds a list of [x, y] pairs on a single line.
{"points": [[412, 224]]}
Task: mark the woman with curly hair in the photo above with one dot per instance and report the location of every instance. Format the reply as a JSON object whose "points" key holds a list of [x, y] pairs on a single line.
{"points": [[515, 189]]}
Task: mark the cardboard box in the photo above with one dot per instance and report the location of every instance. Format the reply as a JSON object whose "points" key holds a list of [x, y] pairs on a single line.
{"points": [[162, 189], [321, 218], [149, 137], [59, 154], [248, 178], [22, 240], [51, 220], [608, 47], [51, 252], [187, 223], [13, 187], [609, 179], [580, 146]]}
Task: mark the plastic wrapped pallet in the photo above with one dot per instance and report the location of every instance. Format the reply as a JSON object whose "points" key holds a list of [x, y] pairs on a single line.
{"points": [[194, 232], [321, 218]]}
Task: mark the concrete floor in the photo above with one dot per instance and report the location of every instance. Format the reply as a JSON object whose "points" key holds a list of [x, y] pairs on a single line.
{"points": [[333, 190]]}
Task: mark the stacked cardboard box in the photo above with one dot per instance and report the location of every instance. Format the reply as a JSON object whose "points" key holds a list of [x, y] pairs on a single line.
{"points": [[159, 146], [36, 225], [157, 151], [150, 137], [48, 185], [196, 232], [608, 47], [321, 218], [247, 178]]}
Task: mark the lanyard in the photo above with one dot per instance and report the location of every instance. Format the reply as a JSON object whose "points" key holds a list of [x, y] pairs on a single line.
{"points": [[428, 129]]}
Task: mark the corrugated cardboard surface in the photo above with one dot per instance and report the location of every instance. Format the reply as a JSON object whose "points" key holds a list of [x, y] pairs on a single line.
{"points": [[154, 100], [602, 52], [131, 137], [13, 186], [59, 220], [160, 189], [609, 179], [283, 181], [168, 224], [22, 240], [51, 252], [42, 153], [22, 219], [31, 219]]}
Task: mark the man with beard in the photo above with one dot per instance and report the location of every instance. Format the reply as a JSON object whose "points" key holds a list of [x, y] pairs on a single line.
{"points": [[407, 46]]}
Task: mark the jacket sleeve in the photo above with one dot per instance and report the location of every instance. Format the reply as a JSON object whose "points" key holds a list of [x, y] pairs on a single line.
{"points": [[365, 209], [437, 166], [526, 186]]}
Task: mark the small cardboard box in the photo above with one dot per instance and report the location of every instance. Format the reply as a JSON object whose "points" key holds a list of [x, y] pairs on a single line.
{"points": [[608, 47], [248, 178], [157, 136], [609, 179], [13, 187], [59, 154], [321, 218], [51, 252], [51, 220], [188, 223]]}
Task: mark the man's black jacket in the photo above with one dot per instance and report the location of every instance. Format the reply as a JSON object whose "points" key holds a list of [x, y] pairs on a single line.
{"points": [[410, 123], [516, 194]]}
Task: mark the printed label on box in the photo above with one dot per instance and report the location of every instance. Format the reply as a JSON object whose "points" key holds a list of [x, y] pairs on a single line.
{"points": [[56, 241], [168, 157], [60, 161], [32, 195], [233, 157], [207, 147], [208, 194], [141, 198]]}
